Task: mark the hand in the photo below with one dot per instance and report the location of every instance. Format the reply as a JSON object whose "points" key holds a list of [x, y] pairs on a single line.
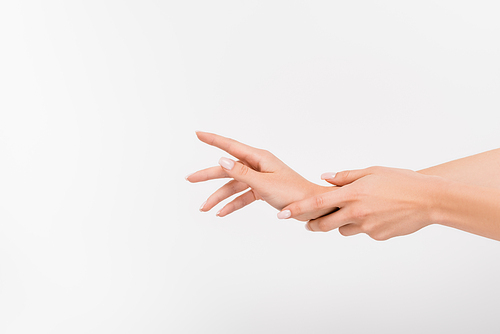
{"points": [[267, 176], [381, 202]]}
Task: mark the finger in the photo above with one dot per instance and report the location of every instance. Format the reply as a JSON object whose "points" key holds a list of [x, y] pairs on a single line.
{"points": [[350, 229], [226, 191], [231, 146], [242, 172], [345, 177], [329, 222], [310, 205], [207, 174], [238, 203]]}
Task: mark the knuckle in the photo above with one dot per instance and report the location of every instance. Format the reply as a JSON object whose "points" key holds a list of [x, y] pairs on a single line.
{"points": [[318, 202], [257, 156], [343, 175], [266, 153], [261, 154], [358, 214], [244, 170], [343, 196], [363, 228], [232, 185], [368, 228], [353, 194], [358, 192]]}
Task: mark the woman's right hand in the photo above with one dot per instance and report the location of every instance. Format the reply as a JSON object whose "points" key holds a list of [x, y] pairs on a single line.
{"points": [[268, 177]]}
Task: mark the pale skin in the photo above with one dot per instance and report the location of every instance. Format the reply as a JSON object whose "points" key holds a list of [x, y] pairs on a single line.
{"points": [[267, 177], [379, 201]]}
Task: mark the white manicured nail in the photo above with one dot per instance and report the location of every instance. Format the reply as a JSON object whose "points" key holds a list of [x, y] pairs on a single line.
{"points": [[328, 176], [201, 207], [217, 214], [284, 214], [226, 163], [306, 226], [186, 177]]}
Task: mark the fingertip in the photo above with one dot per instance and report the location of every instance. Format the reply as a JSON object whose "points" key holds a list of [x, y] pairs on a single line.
{"points": [[284, 214], [187, 177], [220, 215], [201, 134], [226, 163], [328, 176]]}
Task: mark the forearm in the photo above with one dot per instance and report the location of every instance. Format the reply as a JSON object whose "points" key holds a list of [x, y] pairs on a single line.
{"points": [[482, 169], [469, 208]]}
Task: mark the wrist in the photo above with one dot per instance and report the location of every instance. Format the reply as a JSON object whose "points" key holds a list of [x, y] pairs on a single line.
{"points": [[438, 196], [448, 198]]}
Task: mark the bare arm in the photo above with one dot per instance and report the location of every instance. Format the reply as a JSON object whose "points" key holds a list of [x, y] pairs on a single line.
{"points": [[382, 202], [481, 169], [470, 208]]}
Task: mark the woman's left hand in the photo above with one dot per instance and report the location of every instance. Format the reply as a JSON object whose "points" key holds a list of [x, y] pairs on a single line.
{"points": [[379, 201]]}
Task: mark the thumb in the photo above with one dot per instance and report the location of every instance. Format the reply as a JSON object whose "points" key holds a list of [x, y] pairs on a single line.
{"points": [[345, 177], [239, 171]]}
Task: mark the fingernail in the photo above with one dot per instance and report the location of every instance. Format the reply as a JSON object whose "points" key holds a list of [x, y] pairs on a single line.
{"points": [[217, 214], [307, 227], [226, 163], [186, 177], [284, 214], [201, 207], [328, 176]]}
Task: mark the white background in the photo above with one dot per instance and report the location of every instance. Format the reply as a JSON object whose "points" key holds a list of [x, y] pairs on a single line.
{"points": [[99, 101]]}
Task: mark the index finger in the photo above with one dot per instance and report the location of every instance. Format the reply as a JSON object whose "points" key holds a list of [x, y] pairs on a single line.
{"points": [[231, 146], [305, 207]]}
